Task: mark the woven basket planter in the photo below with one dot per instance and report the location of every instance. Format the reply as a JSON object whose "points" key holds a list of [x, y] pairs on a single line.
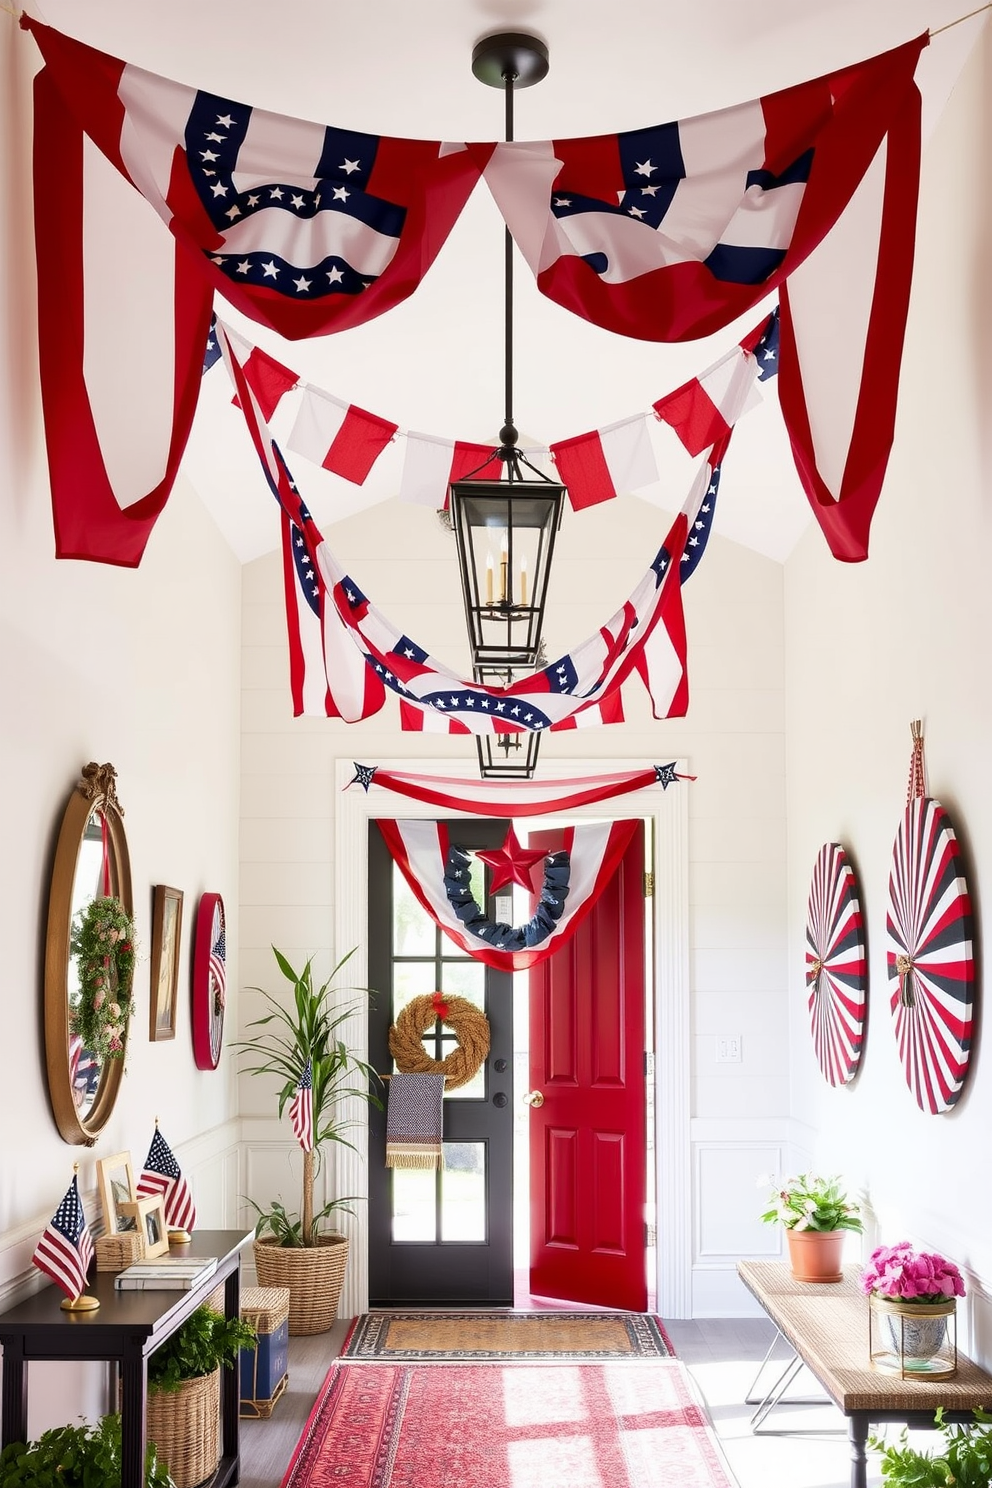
{"points": [[314, 1275], [185, 1427]]}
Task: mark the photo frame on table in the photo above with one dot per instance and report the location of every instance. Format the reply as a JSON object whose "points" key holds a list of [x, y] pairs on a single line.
{"points": [[167, 921], [149, 1218], [115, 1180]]}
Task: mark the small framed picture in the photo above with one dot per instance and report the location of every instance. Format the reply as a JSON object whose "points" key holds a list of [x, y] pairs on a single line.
{"points": [[149, 1218], [167, 922], [115, 1179]]}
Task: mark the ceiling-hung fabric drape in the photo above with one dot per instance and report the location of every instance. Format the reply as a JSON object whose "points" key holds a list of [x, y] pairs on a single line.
{"points": [[573, 879], [661, 234]]}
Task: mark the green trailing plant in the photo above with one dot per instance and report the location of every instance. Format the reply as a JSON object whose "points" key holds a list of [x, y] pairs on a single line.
{"points": [[84, 1456], [103, 944], [205, 1340], [309, 1029], [964, 1461]]}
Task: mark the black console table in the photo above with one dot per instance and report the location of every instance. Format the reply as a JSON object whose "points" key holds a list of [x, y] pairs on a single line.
{"points": [[125, 1329]]}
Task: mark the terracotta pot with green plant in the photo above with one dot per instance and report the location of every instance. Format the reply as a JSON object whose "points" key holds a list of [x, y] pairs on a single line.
{"points": [[817, 1215], [76, 1457], [295, 1041], [183, 1411]]}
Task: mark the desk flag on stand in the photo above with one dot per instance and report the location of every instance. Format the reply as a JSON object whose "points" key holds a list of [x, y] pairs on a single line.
{"points": [[162, 1175], [65, 1249]]}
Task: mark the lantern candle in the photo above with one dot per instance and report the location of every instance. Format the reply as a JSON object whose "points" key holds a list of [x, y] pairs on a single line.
{"points": [[504, 563], [523, 580], [489, 578]]}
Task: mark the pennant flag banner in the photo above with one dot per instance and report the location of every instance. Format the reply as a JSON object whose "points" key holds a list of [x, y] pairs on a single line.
{"points": [[518, 797], [431, 464], [268, 379], [707, 408], [595, 467], [438, 874], [661, 234], [339, 436], [599, 466]]}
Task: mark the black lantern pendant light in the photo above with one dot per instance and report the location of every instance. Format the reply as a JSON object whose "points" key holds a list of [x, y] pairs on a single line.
{"points": [[505, 528]]}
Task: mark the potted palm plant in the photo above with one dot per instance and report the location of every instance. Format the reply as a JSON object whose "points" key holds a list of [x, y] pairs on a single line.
{"points": [[301, 1044]]}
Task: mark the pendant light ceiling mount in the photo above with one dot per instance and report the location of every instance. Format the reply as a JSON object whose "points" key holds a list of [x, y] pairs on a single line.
{"points": [[510, 54], [504, 522]]}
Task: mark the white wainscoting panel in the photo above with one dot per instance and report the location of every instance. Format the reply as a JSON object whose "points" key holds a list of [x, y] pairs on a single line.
{"points": [[727, 1203]]}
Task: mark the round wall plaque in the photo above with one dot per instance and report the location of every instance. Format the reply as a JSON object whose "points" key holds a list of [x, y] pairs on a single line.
{"points": [[930, 956], [836, 969], [209, 981]]}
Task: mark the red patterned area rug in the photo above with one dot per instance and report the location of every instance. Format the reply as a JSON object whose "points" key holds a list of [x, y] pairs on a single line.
{"points": [[626, 1424], [409, 1337]]}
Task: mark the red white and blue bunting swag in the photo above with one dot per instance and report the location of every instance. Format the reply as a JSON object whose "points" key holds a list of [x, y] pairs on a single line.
{"points": [[438, 873], [662, 234], [518, 797]]}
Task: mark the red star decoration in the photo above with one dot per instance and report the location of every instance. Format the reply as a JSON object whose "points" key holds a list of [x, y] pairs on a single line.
{"points": [[512, 863]]}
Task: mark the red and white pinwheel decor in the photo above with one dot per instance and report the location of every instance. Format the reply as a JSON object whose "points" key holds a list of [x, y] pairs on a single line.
{"points": [[930, 956], [836, 969]]}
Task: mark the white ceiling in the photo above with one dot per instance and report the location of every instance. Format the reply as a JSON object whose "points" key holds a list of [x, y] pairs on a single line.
{"points": [[434, 364]]}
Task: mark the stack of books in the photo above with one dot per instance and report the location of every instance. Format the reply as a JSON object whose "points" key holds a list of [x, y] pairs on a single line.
{"points": [[167, 1274]]}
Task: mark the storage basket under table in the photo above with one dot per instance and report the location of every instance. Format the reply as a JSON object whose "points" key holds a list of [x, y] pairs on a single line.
{"points": [[264, 1374]]}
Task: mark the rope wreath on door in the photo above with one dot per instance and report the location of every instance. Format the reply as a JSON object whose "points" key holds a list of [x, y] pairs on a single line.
{"points": [[471, 1027]]}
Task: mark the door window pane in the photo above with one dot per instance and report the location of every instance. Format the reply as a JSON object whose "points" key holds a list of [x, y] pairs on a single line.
{"points": [[413, 928], [414, 1205], [465, 979], [411, 979], [463, 1192]]}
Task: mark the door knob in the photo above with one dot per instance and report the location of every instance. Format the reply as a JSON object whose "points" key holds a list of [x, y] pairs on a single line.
{"points": [[534, 1098]]}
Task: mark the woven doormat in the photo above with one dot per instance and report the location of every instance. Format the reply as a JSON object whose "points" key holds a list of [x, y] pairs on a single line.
{"points": [[412, 1336]]}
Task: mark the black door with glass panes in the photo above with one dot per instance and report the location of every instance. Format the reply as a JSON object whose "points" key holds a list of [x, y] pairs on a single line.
{"points": [[440, 1238]]}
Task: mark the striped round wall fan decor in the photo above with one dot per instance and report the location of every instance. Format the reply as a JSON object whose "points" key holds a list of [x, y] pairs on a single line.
{"points": [[836, 969], [929, 955]]}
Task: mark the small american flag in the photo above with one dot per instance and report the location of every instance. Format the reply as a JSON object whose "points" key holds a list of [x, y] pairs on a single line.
{"points": [[162, 1175], [65, 1249], [301, 1109]]}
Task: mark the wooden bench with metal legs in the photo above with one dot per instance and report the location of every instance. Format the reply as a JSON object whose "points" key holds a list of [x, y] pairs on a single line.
{"points": [[827, 1326]]}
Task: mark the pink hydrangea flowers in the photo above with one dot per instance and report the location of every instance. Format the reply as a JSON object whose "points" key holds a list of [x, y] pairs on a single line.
{"points": [[911, 1275]]}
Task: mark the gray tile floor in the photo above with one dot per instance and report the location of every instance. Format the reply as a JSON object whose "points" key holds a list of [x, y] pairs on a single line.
{"points": [[721, 1354]]}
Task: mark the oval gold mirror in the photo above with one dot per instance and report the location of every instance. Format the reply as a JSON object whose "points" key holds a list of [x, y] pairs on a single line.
{"points": [[89, 959]]}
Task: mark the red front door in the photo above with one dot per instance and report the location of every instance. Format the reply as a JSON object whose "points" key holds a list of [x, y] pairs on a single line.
{"points": [[588, 1137]]}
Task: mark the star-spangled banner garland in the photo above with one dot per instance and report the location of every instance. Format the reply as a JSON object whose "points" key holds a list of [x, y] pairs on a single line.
{"points": [[515, 798]]}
